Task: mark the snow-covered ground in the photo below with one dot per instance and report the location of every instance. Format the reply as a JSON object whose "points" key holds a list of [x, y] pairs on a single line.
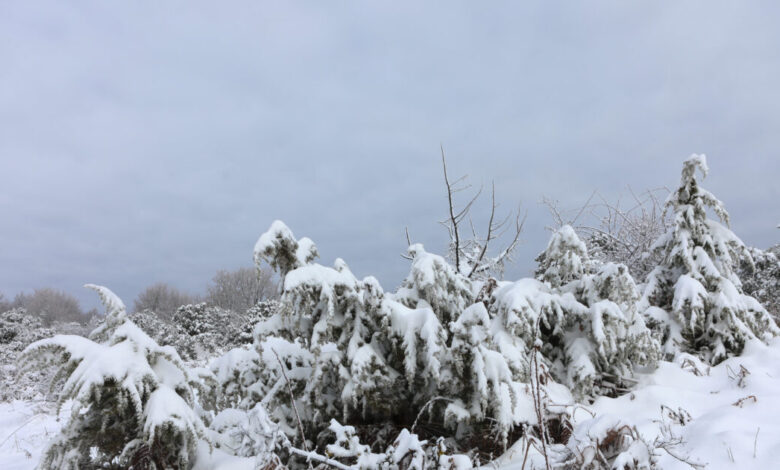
{"points": [[732, 418], [731, 415], [25, 428]]}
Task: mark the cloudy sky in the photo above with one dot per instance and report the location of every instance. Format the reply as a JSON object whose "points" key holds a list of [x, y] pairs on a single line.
{"points": [[154, 141]]}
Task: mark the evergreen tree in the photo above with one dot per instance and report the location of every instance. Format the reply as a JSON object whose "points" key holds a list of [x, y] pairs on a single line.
{"points": [[694, 298]]}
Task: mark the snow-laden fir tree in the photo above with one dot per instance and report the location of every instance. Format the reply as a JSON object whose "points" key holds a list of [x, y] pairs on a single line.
{"points": [[565, 259], [694, 298], [133, 400]]}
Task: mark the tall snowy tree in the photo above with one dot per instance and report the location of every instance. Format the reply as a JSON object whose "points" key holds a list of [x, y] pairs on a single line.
{"points": [[694, 297]]}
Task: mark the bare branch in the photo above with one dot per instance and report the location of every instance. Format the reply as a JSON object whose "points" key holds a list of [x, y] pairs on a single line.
{"points": [[489, 232], [453, 219], [292, 402]]}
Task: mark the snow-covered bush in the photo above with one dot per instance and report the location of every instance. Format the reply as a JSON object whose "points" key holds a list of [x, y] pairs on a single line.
{"points": [[164, 332], [18, 329], [198, 332], [442, 346], [259, 312], [694, 298], [357, 354], [132, 399], [605, 443], [584, 313], [407, 451], [762, 279], [564, 260]]}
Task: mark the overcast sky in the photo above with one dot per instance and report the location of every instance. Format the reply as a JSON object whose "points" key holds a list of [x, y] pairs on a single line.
{"points": [[155, 141]]}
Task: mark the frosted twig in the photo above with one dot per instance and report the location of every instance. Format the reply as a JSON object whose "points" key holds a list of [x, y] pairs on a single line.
{"points": [[428, 404], [292, 402], [319, 458]]}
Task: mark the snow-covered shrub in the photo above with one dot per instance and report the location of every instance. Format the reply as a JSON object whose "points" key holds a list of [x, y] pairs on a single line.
{"points": [[604, 443], [132, 399], [694, 298], [259, 312], [585, 314], [357, 354], [235, 372], [164, 332], [565, 259], [407, 451], [210, 329], [194, 319], [18, 329], [762, 279], [442, 346], [251, 433]]}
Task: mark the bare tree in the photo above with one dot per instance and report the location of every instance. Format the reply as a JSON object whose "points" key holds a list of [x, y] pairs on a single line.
{"points": [[162, 299], [241, 289], [471, 255], [619, 232], [51, 305]]}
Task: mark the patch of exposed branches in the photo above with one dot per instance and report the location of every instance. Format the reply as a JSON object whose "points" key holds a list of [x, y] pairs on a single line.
{"points": [[474, 256], [620, 232]]}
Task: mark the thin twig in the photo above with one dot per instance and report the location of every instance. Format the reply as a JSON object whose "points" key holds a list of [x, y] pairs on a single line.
{"points": [[755, 443], [320, 458], [292, 402], [452, 212]]}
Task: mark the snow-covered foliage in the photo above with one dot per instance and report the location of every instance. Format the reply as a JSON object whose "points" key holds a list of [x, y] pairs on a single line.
{"points": [[762, 279], [259, 312], [198, 332], [407, 451], [564, 260], [445, 372], [17, 330], [354, 352], [694, 298], [132, 399], [592, 335], [442, 346]]}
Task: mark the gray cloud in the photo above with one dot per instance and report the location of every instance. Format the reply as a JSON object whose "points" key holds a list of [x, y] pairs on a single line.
{"points": [[145, 141]]}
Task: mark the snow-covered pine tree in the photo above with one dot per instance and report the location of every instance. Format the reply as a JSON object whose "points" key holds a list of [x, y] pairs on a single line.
{"points": [[132, 399], [694, 297], [565, 259]]}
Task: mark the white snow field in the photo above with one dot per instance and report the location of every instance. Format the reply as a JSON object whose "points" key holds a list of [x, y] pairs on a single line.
{"points": [[728, 417], [25, 428], [731, 414]]}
